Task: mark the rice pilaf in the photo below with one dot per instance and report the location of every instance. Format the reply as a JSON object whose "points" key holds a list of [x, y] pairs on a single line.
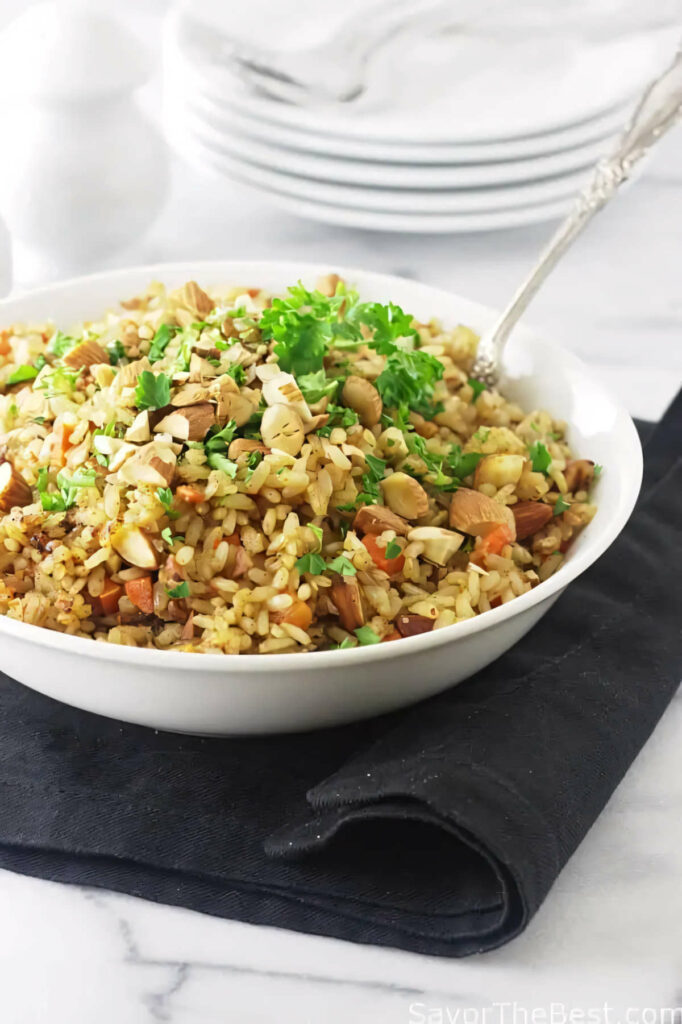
{"points": [[227, 471]]}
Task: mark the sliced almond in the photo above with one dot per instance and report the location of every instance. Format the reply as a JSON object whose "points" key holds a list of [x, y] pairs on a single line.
{"points": [[200, 369], [245, 445], [134, 547], [281, 427], [196, 299], [499, 470], [405, 496], [14, 491], [327, 284], [579, 474], [439, 544], [412, 625], [364, 399], [190, 423], [139, 431], [87, 353], [345, 593], [192, 394], [127, 375], [281, 389], [477, 514], [315, 422], [530, 516], [377, 518]]}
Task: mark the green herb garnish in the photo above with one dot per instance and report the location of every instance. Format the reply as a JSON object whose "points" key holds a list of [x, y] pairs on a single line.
{"points": [[342, 565], [68, 489], [598, 471], [167, 535], [152, 391], [238, 374], [161, 340], [345, 644], [313, 563], [21, 374], [314, 386], [182, 590], [59, 344], [540, 458], [222, 463], [59, 381], [165, 496], [560, 506], [116, 352], [219, 440], [409, 379], [477, 386], [366, 635], [393, 549]]}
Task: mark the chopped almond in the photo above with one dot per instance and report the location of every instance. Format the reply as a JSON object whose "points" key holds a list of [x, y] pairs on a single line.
{"points": [[87, 353], [188, 628], [190, 423], [578, 474], [139, 431], [363, 398], [134, 546], [377, 518], [412, 625], [425, 428], [166, 470], [530, 516], [345, 592], [14, 491], [327, 284], [244, 445], [196, 299], [405, 496], [191, 394], [477, 514], [127, 375], [200, 369]]}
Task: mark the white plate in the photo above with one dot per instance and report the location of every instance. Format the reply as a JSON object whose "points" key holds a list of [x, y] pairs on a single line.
{"points": [[232, 694], [367, 220], [411, 201], [469, 89], [227, 114], [226, 137]]}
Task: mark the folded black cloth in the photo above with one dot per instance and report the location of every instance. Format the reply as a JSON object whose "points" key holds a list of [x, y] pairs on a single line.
{"points": [[438, 829]]}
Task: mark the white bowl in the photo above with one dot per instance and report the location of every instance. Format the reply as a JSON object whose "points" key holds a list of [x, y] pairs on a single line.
{"points": [[248, 694]]}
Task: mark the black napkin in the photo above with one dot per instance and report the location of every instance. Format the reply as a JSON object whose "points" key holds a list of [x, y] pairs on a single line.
{"points": [[438, 829]]}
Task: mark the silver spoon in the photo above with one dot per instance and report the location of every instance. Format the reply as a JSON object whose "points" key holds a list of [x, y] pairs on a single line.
{"points": [[659, 109]]}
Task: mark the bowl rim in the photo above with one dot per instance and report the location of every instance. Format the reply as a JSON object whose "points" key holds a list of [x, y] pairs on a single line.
{"points": [[274, 664]]}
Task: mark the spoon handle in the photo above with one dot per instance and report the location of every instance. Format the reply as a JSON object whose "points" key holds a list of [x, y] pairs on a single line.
{"points": [[658, 110]]}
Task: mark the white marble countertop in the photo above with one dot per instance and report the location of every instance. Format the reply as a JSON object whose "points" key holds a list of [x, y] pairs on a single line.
{"points": [[608, 941]]}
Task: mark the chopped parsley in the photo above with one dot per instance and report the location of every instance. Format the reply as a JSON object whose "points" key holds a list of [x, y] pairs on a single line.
{"points": [[462, 464], [317, 530], [59, 381], [223, 464], [339, 416], [303, 326], [116, 352], [342, 565], [314, 386], [366, 635], [393, 549], [165, 496], [315, 564], [598, 471], [371, 493], [389, 323], [409, 378], [68, 489], [167, 535], [540, 457], [482, 434], [152, 391], [182, 590], [477, 386], [59, 344], [254, 460], [238, 374], [161, 340], [561, 506], [345, 644], [219, 440]]}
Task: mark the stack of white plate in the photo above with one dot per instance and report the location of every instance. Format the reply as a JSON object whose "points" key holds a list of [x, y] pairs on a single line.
{"points": [[471, 135]]}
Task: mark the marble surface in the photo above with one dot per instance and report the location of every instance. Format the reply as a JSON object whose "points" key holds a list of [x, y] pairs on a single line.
{"points": [[607, 945]]}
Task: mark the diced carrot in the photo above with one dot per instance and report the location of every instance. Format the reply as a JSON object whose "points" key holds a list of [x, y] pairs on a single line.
{"points": [[192, 495], [395, 635], [392, 566], [494, 541], [140, 593], [297, 614], [107, 602], [62, 443], [5, 348]]}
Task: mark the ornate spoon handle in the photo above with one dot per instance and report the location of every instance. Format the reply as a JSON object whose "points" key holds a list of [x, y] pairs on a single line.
{"points": [[658, 110]]}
